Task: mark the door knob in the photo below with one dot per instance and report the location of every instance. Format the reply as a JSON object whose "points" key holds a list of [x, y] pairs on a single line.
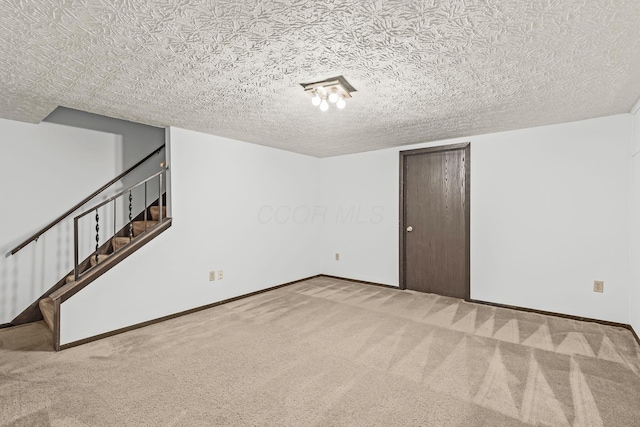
{"points": [[409, 228]]}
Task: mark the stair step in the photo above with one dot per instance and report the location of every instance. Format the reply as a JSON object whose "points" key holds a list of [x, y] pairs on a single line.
{"points": [[155, 210], [120, 242], [139, 227], [117, 243], [101, 259], [46, 308]]}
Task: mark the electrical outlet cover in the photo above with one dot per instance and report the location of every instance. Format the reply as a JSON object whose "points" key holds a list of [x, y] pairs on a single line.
{"points": [[598, 286], [212, 276]]}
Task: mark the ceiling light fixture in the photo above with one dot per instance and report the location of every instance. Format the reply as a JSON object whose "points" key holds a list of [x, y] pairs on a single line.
{"points": [[334, 90]]}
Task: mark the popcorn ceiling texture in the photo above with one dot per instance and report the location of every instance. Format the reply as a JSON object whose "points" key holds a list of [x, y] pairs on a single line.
{"points": [[424, 69]]}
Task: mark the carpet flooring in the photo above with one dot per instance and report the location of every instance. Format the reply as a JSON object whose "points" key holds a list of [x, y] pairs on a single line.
{"points": [[328, 352]]}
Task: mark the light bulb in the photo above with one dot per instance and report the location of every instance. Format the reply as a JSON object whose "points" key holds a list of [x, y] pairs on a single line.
{"points": [[333, 97], [324, 105], [341, 103], [316, 100]]}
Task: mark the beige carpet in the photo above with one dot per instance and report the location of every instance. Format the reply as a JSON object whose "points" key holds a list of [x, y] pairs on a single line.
{"points": [[326, 352]]}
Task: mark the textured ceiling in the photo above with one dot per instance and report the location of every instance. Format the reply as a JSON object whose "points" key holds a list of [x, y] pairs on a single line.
{"points": [[423, 69]]}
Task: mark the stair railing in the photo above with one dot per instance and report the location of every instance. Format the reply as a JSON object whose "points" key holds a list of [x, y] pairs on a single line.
{"points": [[84, 201], [126, 194]]}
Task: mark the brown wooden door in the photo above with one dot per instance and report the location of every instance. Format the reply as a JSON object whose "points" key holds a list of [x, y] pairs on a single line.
{"points": [[434, 225]]}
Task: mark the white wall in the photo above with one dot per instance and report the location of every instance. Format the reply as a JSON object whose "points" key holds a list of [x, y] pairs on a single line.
{"points": [[360, 196], [46, 169], [634, 289], [138, 139], [239, 207], [549, 214]]}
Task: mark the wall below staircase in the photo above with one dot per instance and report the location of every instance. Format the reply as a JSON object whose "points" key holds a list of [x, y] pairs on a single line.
{"points": [[46, 169], [237, 207]]}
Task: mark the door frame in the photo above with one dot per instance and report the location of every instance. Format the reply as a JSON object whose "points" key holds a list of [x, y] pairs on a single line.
{"points": [[467, 214]]}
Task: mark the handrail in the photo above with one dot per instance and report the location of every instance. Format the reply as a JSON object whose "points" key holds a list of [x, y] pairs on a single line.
{"points": [[115, 196], [159, 174], [77, 206]]}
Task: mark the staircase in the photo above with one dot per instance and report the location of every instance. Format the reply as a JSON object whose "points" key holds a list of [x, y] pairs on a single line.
{"points": [[145, 221], [115, 246]]}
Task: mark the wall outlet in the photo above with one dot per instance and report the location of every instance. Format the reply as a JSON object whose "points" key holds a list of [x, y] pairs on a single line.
{"points": [[598, 286], [220, 274], [212, 276], [337, 256]]}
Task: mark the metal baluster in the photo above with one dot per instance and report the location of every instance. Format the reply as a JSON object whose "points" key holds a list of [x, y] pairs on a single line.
{"points": [[115, 215], [75, 249], [130, 216], [160, 197], [145, 206], [97, 235]]}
